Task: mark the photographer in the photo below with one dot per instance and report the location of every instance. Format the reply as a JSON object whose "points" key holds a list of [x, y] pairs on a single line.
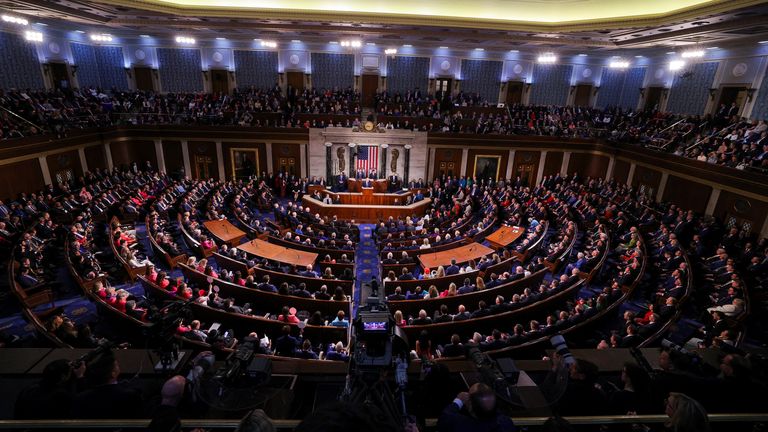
{"points": [[52, 396], [474, 410]]}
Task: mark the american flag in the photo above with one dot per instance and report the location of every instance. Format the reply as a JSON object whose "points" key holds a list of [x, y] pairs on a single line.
{"points": [[367, 158]]}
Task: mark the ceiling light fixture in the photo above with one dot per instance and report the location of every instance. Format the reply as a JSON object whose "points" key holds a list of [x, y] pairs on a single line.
{"points": [[618, 64], [101, 38], [514, 51], [144, 36], [693, 54], [81, 32], [676, 65], [33, 36], [295, 41], [547, 58], [582, 55], [407, 46], [351, 43], [15, 20], [479, 49], [269, 44], [371, 43], [221, 38], [185, 40], [712, 48], [671, 53], [390, 51], [763, 42]]}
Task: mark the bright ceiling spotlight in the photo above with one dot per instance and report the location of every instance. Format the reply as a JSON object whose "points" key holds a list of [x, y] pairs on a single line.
{"points": [[676, 65], [547, 58]]}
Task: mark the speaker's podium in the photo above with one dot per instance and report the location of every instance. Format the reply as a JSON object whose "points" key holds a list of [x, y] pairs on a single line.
{"points": [[356, 185]]}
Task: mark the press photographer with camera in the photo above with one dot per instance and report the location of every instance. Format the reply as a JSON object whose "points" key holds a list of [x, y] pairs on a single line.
{"points": [[51, 397]]}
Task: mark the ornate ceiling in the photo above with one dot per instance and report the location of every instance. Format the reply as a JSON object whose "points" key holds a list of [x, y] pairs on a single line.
{"points": [[494, 25]]}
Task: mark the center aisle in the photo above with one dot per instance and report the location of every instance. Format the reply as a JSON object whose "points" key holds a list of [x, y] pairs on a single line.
{"points": [[366, 265]]}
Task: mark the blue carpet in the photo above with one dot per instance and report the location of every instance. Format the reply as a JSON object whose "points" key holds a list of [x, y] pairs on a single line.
{"points": [[366, 264]]}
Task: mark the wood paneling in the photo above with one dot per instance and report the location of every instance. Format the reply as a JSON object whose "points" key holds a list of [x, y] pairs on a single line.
{"points": [[260, 148], [174, 159], [502, 163], [588, 165], [12, 182], [743, 208], [553, 163], [621, 171], [447, 161], [125, 153], [95, 157], [203, 150], [648, 177], [286, 153], [687, 194], [60, 163]]}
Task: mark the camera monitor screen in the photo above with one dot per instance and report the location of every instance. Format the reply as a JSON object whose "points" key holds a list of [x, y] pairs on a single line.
{"points": [[375, 326]]}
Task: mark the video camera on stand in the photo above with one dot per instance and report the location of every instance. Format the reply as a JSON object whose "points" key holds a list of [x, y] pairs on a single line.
{"points": [[378, 348]]}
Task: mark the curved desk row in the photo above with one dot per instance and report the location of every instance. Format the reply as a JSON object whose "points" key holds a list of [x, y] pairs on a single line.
{"points": [[366, 212]]}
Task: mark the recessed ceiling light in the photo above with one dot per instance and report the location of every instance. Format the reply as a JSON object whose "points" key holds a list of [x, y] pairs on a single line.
{"points": [[712, 48], [79, 31], [514, 51], [443, 47], [763, 42], [582, 55], [221, 38], [671, 53], [42, 24], [479, 49], [407, 46], [333, 42], [371, 43], [144, 36], [295, 41], [638, 56]]}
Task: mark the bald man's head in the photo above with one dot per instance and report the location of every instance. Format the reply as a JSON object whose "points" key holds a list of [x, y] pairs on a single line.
{"points": [[173, 390]]}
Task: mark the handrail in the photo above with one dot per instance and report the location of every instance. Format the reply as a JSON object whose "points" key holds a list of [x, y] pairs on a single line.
{"points": [[20, 117], [292, 424], [709, 136]]}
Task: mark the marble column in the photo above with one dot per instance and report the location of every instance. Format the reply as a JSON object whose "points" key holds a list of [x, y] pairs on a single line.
{"points": [[351, 167], [83, 161], [44, 169], [383, 165], [631, 174], [542, 162], [407, 162], [464, 158], [160, 156], [712, 202], [220, 160], [328, 164], [108, 155], [185, 157]]}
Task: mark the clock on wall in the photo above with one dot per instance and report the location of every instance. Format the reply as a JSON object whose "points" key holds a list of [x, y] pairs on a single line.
{"points": [[368, 126]]}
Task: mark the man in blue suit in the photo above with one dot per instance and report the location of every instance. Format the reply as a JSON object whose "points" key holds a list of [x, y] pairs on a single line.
{"points": [[452, 269]]}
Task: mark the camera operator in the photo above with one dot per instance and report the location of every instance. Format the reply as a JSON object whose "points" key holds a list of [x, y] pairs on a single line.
{"points": [[51, 397], [107, 398]]}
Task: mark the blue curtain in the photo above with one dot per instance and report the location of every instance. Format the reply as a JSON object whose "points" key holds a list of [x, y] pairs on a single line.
{"points": [[760, 110], [620, 88], [551, 84], [99, 66], [20, 67], [482, 77], [333, 70], [407, 73], [180, 69], [690, 89], [256, 69]]}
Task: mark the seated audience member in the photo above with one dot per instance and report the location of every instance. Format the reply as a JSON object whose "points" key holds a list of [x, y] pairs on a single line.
{"points": [[106, 398]]}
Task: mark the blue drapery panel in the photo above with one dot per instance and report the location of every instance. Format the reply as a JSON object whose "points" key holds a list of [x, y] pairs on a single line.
{"points": [[180, 69], [99, 66], [20, 67], [551, 84], [620, 88], [482, 77], [331, 71], [256, 69], [407, 73], [760, 110], [690, 89], [633, 82]]}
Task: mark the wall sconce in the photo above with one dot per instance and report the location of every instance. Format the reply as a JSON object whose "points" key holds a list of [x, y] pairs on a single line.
{"points": [[750, 94]]}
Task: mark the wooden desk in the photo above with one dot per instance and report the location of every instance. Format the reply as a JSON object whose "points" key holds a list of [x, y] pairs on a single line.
{"points": [[366, 213], [504, 236], [225, 232], [278, 253], [462, 254], [368, 197], [356, 185]]}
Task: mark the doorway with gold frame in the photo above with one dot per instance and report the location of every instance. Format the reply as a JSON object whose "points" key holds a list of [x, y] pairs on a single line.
{"points": [[203, 166], [244, 162]]}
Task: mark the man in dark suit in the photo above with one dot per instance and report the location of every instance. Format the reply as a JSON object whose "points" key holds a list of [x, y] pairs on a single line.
{"points": [[286, 344], [452, 269], [462, 314], [342, 182], [474, 411], [394, 182], [398, 295], [455, 348], [107, 399]]}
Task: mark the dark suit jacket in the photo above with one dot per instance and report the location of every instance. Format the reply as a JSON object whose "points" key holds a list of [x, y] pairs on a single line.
{"points": [[455, 419], [108, 401]]}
